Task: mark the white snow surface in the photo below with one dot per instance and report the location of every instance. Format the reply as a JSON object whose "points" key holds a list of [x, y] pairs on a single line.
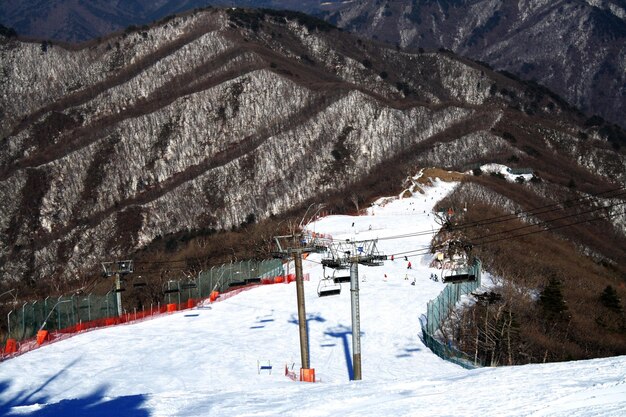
{"points": [[203, 362], [504, 170]]}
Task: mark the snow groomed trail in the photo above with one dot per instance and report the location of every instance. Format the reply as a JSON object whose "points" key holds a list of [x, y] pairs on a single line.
{"points": [[204, 362]]}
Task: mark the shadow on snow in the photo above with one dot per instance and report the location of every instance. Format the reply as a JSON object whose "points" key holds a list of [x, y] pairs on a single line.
{"points": [[344, 333], [96, 404]]}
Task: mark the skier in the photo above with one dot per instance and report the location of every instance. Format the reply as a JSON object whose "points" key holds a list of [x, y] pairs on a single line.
{"points": [[406, 277], [392, 257], [408, 266]]}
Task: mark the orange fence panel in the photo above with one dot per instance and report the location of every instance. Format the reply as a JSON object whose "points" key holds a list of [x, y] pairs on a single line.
{"points": [[11, 347], [42, 336]]}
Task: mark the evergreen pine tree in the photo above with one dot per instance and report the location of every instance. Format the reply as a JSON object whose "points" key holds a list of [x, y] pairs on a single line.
{"points": [[610, 299], [551, 298]]}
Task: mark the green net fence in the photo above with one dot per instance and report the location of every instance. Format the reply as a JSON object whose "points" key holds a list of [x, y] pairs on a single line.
{"points": [[58, 313], [221, 278], [78, 312], [439, 309]]}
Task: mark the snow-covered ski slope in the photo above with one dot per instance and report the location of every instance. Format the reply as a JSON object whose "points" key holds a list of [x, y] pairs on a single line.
{"points": [[204, 362]]}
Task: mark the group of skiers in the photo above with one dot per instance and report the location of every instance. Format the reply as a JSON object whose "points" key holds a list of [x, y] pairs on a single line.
{"points": [[433, 277], [408, 265]]}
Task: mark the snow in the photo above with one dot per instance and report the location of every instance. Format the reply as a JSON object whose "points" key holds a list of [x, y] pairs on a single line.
{"points": [[505, 171], [204, 362]]}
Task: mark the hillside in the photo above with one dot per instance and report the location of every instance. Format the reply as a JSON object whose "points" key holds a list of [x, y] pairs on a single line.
{"points": [[575, 48], [77, 21], [173, 129]]}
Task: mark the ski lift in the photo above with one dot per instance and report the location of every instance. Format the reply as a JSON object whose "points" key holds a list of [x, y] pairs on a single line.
{"points": [[171, 287], [327, 286], [341, 278], [373, 256], [140, 283], [456, 276], [333, 263]]}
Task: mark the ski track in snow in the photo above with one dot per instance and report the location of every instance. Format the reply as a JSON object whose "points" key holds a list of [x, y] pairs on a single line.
{"points": [[207, 365]]}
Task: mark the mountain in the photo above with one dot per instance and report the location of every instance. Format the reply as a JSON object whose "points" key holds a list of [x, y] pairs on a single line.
{"points": [[575, 48], [78, 21], [222, 118]]}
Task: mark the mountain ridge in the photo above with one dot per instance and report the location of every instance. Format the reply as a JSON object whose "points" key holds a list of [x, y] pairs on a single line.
{"points": [[140, 136], [574, 48]]}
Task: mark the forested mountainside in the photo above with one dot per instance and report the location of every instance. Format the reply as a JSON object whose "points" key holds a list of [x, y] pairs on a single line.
{"points": [[221, 118], [196, 137], [575, 48], [78, 21]]}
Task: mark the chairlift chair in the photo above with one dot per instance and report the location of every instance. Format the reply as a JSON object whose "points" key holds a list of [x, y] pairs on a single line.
{"points": [[371, 262], [332, 263], [456, 276], [327, 286], [341, 278]]}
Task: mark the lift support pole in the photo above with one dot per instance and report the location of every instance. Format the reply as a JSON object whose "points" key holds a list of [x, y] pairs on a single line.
{"points": [[356, 320], [304, 339]]}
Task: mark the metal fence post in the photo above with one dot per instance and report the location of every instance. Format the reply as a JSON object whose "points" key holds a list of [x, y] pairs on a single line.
{"points": [[200, 285], [58, 313], [45, 306], [74, 310], [23, 321], [9, 323]]}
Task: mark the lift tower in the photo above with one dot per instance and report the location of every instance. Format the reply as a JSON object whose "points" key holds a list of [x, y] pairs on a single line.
{"points": [[293, 246], [118, 269], [351, 254]]}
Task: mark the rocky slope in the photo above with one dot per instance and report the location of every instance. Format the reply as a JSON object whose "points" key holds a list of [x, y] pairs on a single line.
{"points": [[222, 117], [576, 48], [78, 21]]}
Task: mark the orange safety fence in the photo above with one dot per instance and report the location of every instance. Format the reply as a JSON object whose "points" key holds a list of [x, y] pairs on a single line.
{"points": [[14, 348]]}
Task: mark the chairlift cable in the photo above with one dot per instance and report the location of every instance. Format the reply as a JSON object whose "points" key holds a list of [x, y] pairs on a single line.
{"points": [[543, 223], [511, 216], [545, 230]]}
